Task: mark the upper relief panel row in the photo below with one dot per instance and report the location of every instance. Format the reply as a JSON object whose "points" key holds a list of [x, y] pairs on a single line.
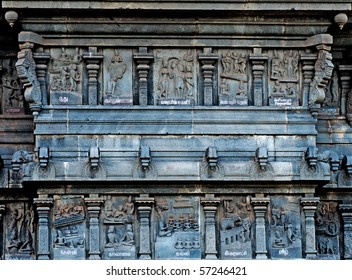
{"points": [[172, 77]]}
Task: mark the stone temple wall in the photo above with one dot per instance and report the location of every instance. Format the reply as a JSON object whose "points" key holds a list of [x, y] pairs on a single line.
{"points": [[154, 130]]}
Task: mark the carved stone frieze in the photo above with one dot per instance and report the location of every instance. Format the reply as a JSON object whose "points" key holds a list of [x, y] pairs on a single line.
{"points": [[236, 228], [20, 232], [327, 226], [118, 230], [177, 229], [175, 77], [68, 231], [285, 228], [65, 72], [118, 77], [233, 77]]}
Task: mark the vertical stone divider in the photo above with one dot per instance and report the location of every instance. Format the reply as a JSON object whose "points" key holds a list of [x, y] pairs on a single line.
{"points": [[2, 211], [210, 206], [144, 208], [93, 59], [43, 205], [345, 78], [258, 59], [94, 203], [346, 213], [260, 206], [308, 61], [143, 59], [309, 205], [42, 59], [208, 59]]}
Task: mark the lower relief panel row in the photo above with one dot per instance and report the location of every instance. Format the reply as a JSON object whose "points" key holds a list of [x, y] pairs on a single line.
{"points": [[175, 227]]}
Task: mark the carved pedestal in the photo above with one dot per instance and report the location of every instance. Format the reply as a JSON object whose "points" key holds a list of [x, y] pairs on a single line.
{"points": [[43, 205], [93, 207], [309, 205], [260, 206], [210, 205], [144, 209], [346, 210]]}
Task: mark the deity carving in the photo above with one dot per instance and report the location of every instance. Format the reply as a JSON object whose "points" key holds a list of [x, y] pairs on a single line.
{"points": [[11, 89], [285, 232], [332, 92], [236, 228], [119, 233], [176, 80], [327, 230], [20, 231], [68, 234], [233, 78], [177, 230]]}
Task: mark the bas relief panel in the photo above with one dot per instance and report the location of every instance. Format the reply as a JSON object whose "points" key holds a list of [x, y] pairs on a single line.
{"points": [[117, 73], [68, 232], [236, 228], [177, 228], [118, 228], [175, 77], [65, 74], [233, 77]]}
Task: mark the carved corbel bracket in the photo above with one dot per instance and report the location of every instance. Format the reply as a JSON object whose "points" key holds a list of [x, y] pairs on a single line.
{"points": [[347, 165], [43, 157], [334, 160], [145, 158], [211, 156], [323, 71], [26, 69], [261, 155], [94, 156], [311, 156]]}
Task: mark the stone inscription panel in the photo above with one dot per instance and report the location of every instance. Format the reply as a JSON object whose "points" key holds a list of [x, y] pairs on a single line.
{"points": [[177, 228], [118, 228], [236, 228], [68, 232], [285, 228]]}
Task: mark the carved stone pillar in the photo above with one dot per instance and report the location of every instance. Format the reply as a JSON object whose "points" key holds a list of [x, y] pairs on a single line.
{"points": [[308, 61], [346, 98], [258, 59], [92, 58], [260, 206], [43, 205], [93, 203], [144, 203], [208, 59], [346, 212], [143, 59], [309, 205], [210, 205], [41, 59], [2, 211]]}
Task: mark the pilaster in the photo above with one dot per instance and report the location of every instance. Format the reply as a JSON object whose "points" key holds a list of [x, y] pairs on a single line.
{"points": [[260, 206], [93, 58], [210, 205], [144, 208], [2, 211], [43, 205], [208, 59], [345, 78], [309, 205], [258, 60], [94, 203], [41, 59], [308, 61], [143, 59], [346, 213]]}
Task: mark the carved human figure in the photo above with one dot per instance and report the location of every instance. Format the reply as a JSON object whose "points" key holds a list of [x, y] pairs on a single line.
{"points": [[111, 237], [128, 238], [116, 70], [163, 78], [226, 62]]}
